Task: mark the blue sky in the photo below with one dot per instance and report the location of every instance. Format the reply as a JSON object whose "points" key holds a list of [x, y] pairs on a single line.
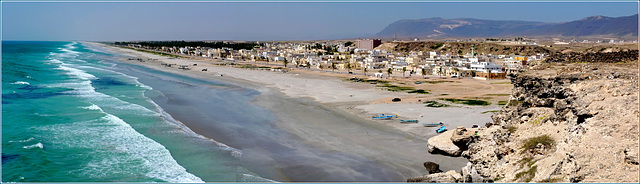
{"points": [[119, 21]]}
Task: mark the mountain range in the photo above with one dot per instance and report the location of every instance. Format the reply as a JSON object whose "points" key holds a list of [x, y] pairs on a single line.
{"points": [[470, 27]]}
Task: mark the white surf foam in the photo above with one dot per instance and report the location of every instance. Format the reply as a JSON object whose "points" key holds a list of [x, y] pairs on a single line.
{"points": [[21, 83], [38, 145], [26, 140]]}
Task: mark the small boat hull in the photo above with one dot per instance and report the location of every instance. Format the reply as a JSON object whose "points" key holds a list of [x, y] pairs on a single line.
{"points": [[409, 121]]}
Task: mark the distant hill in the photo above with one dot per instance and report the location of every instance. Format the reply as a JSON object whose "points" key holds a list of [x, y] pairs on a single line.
{"points": [[468, 27]]}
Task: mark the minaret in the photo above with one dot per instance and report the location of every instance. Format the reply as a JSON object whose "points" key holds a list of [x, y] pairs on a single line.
{"points": [[472, 46]]}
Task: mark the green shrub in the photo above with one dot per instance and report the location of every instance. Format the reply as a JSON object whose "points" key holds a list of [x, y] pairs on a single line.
{"points": [[502, 102], [435, 104], [466, 102], [419, 91], [515, 102], [490, 111], [512, 129], [528, 174], [531, 143]]}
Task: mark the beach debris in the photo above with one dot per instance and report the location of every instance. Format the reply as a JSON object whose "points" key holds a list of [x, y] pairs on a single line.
{"points": [[396, 100], [204, 70], [194, 64]]}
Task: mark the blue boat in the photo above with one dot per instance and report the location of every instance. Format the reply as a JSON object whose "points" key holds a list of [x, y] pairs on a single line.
{"points": [[392, 115], [408, 121], [418, 82], [432, 124], [441, 129], [382, 117]]}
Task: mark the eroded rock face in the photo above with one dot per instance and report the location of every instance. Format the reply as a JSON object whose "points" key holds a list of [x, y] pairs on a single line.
{"points": [[565, 128]]}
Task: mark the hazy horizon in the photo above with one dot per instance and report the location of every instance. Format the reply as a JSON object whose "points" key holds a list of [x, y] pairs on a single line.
{"points": [[263, 21]]}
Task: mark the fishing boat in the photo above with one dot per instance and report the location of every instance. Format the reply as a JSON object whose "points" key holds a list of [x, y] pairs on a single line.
{"points": [[441, 129], [382, 117], [392, 115], [408, 120], [418, 82], [433, 124]]}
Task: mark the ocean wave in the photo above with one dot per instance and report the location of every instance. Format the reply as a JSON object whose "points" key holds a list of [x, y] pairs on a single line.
{"points": [[21, 82], [38, 145], [81, 74], [26, 140], [92, 107]]}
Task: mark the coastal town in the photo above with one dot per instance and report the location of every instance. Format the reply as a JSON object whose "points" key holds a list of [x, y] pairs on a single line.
{"points": [[364, 57]]}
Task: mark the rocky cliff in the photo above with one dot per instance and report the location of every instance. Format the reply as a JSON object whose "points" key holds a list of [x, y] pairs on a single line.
{"points": [[568, 123]]}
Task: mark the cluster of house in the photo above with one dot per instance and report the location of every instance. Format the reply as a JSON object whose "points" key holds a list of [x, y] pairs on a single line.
{"points": [[361, 56]]}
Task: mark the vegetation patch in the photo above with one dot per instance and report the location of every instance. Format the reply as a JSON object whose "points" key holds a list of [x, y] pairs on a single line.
{"points": [[501, 83], [419, 91], [531, 143], [528, 174], [528, 161], [502, 102], [155, 53], [515, 102], [493, 111], [466, 102], [511, 129], [497, 94], [435, 104], [444, 94], [539, 120], [396, 88], [436, 82]]}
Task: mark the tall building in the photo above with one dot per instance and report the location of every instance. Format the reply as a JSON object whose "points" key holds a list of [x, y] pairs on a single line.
{"points": [[369, 44]]}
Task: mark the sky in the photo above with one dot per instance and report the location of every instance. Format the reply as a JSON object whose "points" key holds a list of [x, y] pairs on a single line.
{"points": [[123, 21]]}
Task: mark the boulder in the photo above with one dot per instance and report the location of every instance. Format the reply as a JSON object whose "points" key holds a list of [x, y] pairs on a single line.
{"points": [[448, 177], [432, 167], [462, 136], [442, 144]]}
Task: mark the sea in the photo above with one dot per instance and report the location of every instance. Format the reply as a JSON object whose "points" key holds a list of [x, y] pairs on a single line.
{"points": [[68, 115]]}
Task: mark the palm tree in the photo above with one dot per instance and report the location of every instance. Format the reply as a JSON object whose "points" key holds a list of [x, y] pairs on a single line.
{"points": [[333, 67], [440, 71], [365, 71], [389, 72], [424, 72], [320, 66], [404, 69], [349, 67], [285, 62]]}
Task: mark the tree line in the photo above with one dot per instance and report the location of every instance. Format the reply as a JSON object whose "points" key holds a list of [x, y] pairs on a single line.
{"points": [[235, 46]]}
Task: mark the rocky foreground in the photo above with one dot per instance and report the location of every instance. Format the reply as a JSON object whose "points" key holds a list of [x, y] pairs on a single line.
{"points": [[563, 123]]}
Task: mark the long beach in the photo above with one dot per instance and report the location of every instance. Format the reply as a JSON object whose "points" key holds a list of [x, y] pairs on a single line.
{"points": [[326, 115]]}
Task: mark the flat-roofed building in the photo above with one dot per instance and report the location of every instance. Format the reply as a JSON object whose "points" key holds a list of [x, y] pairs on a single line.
{"points": [[369, 44]]}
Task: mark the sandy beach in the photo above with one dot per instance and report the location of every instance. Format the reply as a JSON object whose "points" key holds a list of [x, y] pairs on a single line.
{"points": [[301, 91]]}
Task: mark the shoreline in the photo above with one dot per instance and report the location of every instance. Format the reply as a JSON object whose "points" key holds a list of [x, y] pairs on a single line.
{"points": [[302, 87]]}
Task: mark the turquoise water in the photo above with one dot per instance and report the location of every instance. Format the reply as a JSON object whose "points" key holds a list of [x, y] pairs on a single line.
{"points": [[66, 116]]}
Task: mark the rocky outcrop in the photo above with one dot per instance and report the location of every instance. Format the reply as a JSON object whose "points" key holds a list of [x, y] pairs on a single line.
{"points": [[441, 144], [448, 177], [600, 57], [462, 137], [575, 127]]}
